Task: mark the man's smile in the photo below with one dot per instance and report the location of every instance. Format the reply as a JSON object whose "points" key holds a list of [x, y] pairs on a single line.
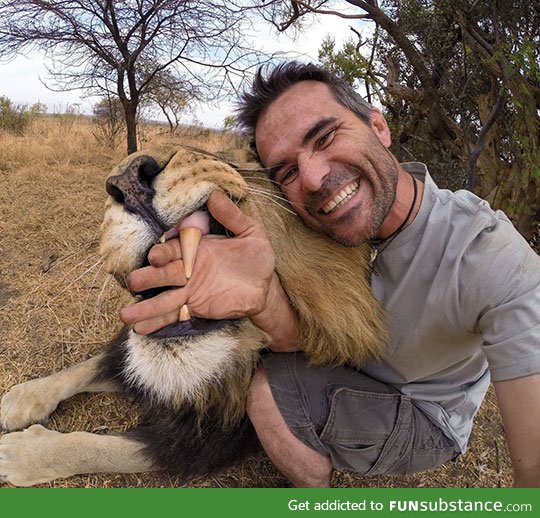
{"points": [[342, 197]]}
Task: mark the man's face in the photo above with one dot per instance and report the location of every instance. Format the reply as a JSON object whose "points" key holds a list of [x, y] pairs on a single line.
{"points": [[334, 169]]}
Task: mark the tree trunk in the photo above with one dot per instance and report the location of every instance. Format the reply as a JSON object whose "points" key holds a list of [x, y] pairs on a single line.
{"points": [[131, 127]]}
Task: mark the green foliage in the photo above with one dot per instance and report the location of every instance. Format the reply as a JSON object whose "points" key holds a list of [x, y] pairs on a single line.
{"points": [[459, 83], [230, 123], [348, 63], [16, 118]]}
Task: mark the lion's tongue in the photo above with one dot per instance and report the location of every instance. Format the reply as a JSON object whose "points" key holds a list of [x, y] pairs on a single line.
{"points": [[199, 219]]}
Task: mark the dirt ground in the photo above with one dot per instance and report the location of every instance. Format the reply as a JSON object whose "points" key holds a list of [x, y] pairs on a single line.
{"points": [[57, 308]]}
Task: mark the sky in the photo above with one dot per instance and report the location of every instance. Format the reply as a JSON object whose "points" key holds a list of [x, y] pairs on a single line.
{"points": [[21, 79]]}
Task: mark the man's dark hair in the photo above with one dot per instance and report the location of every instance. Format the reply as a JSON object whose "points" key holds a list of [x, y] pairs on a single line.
{"points": [[265, 89]]}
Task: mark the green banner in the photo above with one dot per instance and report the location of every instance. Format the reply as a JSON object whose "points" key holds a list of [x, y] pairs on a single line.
{"points": [[98, 503]]}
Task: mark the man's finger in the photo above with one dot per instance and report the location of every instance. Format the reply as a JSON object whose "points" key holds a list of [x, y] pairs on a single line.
{"points": [[153, 324], [164, 253], [228, 214], [159, 306], [172, 274]]}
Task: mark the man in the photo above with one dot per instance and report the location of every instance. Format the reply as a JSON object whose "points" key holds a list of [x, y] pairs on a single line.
{"points": [[461, 288]]}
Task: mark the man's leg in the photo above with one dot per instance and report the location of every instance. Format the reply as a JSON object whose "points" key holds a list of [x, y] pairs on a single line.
{"points": [[303, 466], [310, 418]]}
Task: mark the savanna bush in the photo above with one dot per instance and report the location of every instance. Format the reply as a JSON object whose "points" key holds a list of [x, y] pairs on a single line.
{"points": [[16, 118]]}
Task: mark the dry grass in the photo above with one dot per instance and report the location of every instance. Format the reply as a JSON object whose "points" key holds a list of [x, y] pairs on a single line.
{"points": [[57, 308]]}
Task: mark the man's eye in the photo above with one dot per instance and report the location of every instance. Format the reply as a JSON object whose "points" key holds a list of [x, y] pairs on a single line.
{"points": [[289, 176], [326, 139]]}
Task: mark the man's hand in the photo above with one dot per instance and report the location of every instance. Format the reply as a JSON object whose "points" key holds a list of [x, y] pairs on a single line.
{"points": [[232, 278]]}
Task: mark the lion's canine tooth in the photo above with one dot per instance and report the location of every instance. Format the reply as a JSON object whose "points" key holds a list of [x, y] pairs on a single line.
{"points": [[190, 238], [184, 315]]}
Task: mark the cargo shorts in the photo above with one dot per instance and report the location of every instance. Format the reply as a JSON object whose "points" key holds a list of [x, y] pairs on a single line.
{"points": [[360, 423]]}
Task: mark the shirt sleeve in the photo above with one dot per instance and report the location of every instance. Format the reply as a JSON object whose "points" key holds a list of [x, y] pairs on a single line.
{"points": [[501, 286]]}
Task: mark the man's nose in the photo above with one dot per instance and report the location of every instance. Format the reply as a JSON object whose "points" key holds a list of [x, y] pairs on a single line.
{"points": [[313, 170]]}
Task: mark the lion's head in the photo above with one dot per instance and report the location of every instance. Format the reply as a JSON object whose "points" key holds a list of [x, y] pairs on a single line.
{"points": [[328, 284]]}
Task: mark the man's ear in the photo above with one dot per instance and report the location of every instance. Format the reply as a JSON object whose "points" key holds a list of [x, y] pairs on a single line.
{"points": [[380, 127]]}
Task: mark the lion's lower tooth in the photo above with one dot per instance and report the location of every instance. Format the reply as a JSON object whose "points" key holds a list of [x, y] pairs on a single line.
{"points": [[184, 315], [190, 238]]}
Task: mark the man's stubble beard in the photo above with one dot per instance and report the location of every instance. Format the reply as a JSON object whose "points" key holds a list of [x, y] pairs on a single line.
{"points": [[381, 203]]}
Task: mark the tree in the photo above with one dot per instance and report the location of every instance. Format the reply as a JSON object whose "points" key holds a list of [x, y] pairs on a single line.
{"points": [[108, 121], [119, 47], [171, 96], [459, 81]]}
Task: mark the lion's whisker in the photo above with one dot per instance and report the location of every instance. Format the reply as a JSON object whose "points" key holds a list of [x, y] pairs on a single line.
{"points": [[270, 192], [86, 272], [73, 253], [272, 201], [97, 304], [273, 198], [275, 194], [265, 179], [85, 304]]}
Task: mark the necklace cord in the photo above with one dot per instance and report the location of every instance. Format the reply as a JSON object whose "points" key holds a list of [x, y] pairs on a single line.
{"points": [[379, 242], [375, 252]]}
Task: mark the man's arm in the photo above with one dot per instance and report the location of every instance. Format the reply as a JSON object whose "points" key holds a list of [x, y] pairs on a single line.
{"points": [[233, 278], [278, 319], [519, 403]]}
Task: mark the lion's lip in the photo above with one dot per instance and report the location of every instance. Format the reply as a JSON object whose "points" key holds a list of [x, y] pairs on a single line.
{"points": [[193, 327]]}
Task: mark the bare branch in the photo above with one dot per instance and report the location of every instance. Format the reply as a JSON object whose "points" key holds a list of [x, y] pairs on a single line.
{"points": [[480, 142], [94, 44]]}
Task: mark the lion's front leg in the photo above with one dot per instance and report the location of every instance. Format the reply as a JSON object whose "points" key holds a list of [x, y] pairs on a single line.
{"points": [[38, 455], [33, 401]]}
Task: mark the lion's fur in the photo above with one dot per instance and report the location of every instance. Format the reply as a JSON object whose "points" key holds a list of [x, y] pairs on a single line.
{"points": [[229, 394], [329, 287], [328, 284], [226, 393], [191, 380]]}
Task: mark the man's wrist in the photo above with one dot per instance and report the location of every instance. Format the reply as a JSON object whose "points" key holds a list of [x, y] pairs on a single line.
{"points": [[277, 319]]}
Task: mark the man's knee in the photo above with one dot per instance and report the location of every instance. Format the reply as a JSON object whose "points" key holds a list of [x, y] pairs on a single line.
{"points": [[303, 466]]}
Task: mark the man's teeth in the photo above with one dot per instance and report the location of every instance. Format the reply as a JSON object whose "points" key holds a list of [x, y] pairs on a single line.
{"points": [[341, 197]]}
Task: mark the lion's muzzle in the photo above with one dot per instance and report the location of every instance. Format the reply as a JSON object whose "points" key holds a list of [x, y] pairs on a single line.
{"points": [[133, 189]]}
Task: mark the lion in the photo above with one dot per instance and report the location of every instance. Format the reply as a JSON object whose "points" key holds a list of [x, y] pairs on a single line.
{"points": [[191, 378]]}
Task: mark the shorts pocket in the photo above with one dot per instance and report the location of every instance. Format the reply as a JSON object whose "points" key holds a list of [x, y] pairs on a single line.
{"points": [[367, 432], [360, 458]]}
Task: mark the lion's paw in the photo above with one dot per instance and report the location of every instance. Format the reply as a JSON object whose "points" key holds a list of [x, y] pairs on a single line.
{"points": [[26, 404], [30, 457]]}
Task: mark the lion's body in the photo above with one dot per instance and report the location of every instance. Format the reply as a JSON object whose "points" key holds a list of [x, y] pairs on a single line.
{"points": [[193, 386]]}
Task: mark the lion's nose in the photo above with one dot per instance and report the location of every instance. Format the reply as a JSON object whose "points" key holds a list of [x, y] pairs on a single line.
{"points": [[133, 187]]}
